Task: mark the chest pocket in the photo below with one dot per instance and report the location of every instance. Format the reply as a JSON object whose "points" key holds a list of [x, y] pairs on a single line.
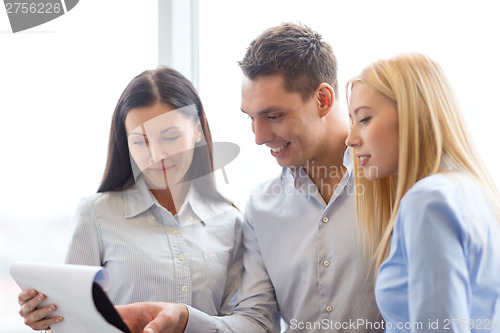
{"points": [[216, 266]]}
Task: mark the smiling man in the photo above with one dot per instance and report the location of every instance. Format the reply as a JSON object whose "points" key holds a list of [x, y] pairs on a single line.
{"points": [[303, 260], [301, 236]]}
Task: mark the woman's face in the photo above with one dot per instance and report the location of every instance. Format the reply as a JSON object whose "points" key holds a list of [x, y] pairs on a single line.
{"points": [[161, 141], [374, 134]]}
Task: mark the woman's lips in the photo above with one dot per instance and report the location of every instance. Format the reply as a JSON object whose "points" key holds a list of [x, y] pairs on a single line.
{"points": [[363, 159], [161, 170]]}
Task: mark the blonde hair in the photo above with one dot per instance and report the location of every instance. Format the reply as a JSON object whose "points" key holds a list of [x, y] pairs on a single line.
{"points": [[431, 127]]}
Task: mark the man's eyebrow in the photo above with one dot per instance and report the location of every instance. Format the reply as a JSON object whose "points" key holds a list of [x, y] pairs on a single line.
{"points": [[268, 110]]}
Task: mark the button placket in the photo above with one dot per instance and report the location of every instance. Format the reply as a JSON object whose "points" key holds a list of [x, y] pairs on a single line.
{"points": [[181, 263]]}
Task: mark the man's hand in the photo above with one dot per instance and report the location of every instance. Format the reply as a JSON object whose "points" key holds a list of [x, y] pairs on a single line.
{"points": [[154, 317]]}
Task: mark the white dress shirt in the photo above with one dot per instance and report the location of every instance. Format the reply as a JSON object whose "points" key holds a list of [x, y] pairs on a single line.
{"points": [[193, 258], [303, 261]]}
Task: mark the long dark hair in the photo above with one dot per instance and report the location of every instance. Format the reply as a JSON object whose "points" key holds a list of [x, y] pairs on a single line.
{"points": [[162, 85]]}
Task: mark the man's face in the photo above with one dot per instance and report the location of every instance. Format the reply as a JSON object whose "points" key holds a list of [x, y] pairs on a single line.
{"points": [[282, 120]]}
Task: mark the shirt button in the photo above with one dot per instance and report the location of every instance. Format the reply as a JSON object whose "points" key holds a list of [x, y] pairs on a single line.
{"points": [[325, 219], [326, 263], [175, 232], [153, 218], [181, 257], [329, 308], [184, 288]]}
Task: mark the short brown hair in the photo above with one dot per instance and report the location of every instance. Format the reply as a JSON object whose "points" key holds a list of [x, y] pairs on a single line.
{"points": [[296, 52]]}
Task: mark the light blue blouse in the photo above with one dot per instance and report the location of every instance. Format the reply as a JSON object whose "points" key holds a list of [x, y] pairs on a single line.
{"points": [[193, 258], [443, 270]]}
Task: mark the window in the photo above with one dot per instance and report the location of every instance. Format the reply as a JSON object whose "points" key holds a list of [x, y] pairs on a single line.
{"points": [[59, 85], [461, 37]]}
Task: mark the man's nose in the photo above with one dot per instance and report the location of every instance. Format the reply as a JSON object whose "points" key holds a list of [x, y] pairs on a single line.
{"points": [[262, 132]]}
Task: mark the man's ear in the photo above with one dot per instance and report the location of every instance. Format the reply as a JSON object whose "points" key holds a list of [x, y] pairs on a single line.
{"points": [[325, 97]]}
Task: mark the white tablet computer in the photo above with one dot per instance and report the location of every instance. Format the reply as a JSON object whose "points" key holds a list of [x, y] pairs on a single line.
{"points": [[78, 292]]}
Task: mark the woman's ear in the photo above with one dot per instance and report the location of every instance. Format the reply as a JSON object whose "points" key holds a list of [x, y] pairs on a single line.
{"points": [[325, 97], [198, 132]]}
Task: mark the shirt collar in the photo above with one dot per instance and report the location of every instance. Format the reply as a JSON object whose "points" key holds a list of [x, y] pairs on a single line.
{"points": [[187, 213], [300, 174], [197, 208], [348, 163], [138, 198]]}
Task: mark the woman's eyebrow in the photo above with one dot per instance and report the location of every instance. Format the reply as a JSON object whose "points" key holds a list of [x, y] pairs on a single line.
{"points": [[162, 132], [168, 129]]}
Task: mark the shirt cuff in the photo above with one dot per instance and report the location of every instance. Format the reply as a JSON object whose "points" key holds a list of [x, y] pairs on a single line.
{"points": [[198, 321]]}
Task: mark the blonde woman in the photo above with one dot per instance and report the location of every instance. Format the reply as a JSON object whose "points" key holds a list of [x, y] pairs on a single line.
{"points": [[427, 201]]}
